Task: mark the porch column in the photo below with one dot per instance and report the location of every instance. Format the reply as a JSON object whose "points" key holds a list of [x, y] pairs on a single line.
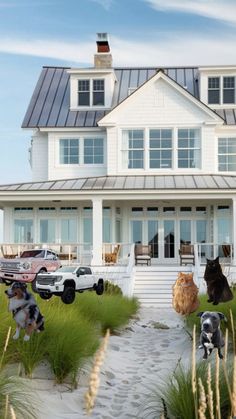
{"points": [[97, 232], [234, 230]]}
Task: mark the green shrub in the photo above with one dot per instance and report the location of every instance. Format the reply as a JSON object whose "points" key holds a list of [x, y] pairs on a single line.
{"points": [[111, 289]]}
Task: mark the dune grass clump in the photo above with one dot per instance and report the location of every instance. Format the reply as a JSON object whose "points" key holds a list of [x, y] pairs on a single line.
{"points": [[107, 311]]}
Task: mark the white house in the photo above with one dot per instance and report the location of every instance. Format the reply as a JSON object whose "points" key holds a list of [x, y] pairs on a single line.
{"points": [[126, 155]]}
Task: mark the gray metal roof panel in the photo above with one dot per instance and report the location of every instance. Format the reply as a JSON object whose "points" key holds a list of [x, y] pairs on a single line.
{"points": [[170, 182], [49, 106]]}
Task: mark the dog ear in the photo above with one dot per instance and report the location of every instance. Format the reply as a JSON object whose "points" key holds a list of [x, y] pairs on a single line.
{"points": [[217, 259], [222, 316], [200, 314]]}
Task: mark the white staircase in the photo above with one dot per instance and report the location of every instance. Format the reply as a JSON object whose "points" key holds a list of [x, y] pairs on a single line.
{"points": [[153, 284]]}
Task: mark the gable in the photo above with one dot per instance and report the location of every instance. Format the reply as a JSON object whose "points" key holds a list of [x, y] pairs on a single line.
{"points": [[160, 101]]}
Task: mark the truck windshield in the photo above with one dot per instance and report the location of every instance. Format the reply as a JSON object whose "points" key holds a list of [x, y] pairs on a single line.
{"points": [[33, 254]]}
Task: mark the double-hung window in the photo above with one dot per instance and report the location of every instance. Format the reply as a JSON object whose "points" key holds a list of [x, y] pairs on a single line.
{"points": [[227, 154], [98, 92], [91, 92], [93, 151], [214, 90], [189, 148], [160, 148], [69, 151], [84, 92], [229, 90], [133, 149]]}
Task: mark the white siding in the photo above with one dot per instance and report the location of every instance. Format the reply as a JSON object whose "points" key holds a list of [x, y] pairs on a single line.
{"points": [[39, 157], [67, 171], [159, 105]]}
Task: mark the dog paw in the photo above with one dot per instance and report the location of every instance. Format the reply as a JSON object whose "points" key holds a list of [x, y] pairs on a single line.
{"points": [[215, 303], [204, 357], [26, 338]]}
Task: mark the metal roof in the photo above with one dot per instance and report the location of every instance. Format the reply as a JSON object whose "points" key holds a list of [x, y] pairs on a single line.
{"points": [[122, 183], [50, 102]]}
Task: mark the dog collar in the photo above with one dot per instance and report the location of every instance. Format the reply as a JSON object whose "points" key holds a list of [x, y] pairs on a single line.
{"points": [[14, 312]]}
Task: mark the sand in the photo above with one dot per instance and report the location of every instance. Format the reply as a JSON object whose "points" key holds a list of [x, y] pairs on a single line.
{"points": [[139, 357]]}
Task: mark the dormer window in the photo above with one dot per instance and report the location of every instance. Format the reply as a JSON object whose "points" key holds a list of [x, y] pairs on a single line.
{"points": [[221, 90], [229, 90], [98, 92], [83, 93], [213, 90], [91, 92]]}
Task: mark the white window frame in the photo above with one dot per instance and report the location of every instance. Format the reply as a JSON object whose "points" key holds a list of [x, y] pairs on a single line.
{"points": [[227, 155], [221, 90], [81, 141], [91, 91], [160, 148], [125, 150], [189, 149]]}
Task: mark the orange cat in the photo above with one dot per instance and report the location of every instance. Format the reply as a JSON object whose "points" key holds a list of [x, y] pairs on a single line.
{"points": [[185, 294]]}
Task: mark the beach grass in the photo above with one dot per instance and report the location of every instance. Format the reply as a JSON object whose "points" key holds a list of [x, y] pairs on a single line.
{"points": [[72, 332]]}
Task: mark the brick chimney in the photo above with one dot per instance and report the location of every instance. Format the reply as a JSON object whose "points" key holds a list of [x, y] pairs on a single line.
{"points": [[103, 57]]}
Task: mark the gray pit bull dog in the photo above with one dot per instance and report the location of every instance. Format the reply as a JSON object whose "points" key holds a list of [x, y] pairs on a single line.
{"points": [[211, 335]]}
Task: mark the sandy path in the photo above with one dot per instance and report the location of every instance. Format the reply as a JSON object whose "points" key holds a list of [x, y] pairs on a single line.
{"points": [[141, 356]]}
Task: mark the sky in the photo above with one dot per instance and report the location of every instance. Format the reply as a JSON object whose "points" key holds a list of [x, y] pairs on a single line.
{"points": [[34, 33]]}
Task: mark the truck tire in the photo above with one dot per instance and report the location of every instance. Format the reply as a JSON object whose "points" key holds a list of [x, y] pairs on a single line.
{"points": [[68, 295], [100, 287], [45, 295]]}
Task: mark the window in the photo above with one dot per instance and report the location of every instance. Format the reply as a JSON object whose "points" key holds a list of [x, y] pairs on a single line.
{"points": [[68, 230], [23, 231], [160, 143], [189, 148], [69, 151], [228, 90], [214, 90], [91, 92], [47, 231], [93, 151], [98, 93], [84, 92], [227, 154], [133, 149]]}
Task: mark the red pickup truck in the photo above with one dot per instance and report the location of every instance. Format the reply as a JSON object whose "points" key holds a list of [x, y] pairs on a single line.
{"points": [[26, 267]]}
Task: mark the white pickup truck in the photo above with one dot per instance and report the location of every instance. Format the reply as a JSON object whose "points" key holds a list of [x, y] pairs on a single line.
{"points": [[68, 280]]}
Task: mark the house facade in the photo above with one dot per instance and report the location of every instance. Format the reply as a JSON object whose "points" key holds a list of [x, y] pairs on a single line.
{"points": [[129, 155]]}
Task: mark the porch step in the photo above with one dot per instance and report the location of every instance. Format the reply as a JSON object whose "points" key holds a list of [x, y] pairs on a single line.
{"points": [[153, 284]]}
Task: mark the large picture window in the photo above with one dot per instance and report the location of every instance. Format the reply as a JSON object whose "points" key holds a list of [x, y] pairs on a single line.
{"points": [[227, 154], [68, 230], [160, 145], [189, 148], [69, 151], [93, 151], [133, 149]]}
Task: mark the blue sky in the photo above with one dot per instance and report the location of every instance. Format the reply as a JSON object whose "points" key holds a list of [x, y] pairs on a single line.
{"points": [[34, 33]]}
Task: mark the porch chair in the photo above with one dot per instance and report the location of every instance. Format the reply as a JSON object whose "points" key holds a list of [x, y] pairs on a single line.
{"points": [[186, 254], [226, 250], [142, 254]]}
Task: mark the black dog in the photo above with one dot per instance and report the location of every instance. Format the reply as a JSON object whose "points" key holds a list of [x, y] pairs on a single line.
{"points": [[211, 336], [218, 289]]}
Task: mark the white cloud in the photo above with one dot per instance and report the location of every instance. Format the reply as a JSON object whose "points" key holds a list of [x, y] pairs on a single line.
{"points": [[177, 49], [224, 10], [106, 4]]}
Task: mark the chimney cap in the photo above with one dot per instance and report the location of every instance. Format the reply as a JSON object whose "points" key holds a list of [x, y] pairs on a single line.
{"points": [[102, 37]]}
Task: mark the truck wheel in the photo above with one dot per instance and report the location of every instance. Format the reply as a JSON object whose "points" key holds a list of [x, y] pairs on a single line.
{"points": [[68, 295], [100, 287], [45, 295]]}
